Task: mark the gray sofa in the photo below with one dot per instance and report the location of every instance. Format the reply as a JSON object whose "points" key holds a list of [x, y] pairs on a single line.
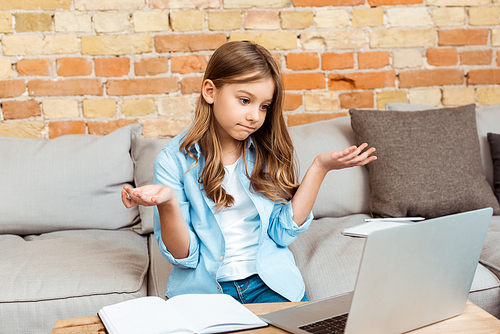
{"points": [[69, 247]]}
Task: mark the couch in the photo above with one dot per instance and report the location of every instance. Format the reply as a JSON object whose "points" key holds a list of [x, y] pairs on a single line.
{"points": [[69, 247]]}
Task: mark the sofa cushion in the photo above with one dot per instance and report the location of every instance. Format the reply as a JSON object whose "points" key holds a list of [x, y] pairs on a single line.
{"points": [[494, 141], [144, 152], [343, 192], [487, 119], [428, 162], [71, 182], [68, 274], [328, 260]]}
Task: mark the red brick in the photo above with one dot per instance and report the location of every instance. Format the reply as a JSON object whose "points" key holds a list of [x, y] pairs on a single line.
{"points": [[189, 42], [65, 87], [304, 80], [112, 67], [356, 100], [57, 129], [151, 66], [361, 80], [322, 3], [20, 109], [337, 61], [189, 64], [32, 67], [442, 57], [73, 67], [12, 88], [299, 119], [292, 101], [463, 37], [376, 3], [104, 128], [302, 61], [484, 77], [191, 85], [476, 57], [376, 59], [437, 77], [142, 86]]}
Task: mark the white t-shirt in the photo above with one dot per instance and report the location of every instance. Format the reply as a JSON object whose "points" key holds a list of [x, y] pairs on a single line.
{"points": [[240, 226]]}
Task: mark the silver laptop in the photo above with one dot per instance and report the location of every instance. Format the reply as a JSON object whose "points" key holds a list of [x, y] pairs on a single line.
{"points": [[410, 276]]}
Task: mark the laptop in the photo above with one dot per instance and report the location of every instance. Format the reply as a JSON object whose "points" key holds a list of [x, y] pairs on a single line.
{"points": [[410, 276]]}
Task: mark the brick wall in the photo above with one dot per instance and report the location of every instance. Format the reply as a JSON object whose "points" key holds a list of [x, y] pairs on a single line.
{"points": [[90, 66]]}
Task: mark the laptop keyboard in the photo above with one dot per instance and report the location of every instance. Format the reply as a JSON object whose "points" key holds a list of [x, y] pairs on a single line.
{"points": [[333, 325]]}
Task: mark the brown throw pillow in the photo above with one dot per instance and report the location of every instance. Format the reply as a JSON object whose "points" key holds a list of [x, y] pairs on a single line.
{"points": [[428, 162], [494, 141]]}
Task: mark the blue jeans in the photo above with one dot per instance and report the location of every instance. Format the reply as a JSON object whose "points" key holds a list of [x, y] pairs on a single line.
{"points": [[252, 290]]}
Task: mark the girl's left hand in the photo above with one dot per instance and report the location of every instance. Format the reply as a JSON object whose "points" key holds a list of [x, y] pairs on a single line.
{"points": [[349, 157]]}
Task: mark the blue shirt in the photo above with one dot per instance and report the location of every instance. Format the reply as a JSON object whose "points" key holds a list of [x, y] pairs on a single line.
{"points": [[197, 273]]}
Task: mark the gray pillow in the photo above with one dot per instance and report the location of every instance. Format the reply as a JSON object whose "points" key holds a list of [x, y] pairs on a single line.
{"points": [[144, 152], [70, 182], [428, 162]]}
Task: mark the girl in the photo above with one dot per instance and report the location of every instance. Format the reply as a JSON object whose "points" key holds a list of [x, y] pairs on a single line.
{"points": [[227, 202]]}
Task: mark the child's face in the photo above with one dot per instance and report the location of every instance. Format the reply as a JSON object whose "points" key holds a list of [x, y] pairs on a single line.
{"points": [[240, 109]]}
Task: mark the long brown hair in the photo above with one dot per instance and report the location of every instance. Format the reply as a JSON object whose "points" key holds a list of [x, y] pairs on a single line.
{"points": [[274, 172]]}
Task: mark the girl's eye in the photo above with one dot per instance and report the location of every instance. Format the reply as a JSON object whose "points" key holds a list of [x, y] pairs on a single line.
{"points": [[265, 107], [244, 101]]}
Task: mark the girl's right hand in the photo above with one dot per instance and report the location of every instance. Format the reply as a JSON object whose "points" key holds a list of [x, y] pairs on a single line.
{"points": [[149, 195]]}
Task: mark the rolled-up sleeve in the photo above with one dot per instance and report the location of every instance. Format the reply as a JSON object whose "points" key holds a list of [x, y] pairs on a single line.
{"points": [[282, 229], [169, 172]]}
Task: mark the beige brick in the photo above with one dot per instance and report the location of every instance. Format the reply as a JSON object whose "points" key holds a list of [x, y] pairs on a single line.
{"points": [[175, 106], [371, 17], [448, 17], [138, 107], [458, 96], [165, 127], [232, 4], [99, 108], [111, 22], [495, 37], [459, 3], [331, 40], [88, 5], [297, 19], [262, 19], [73, 22], [151, 21], [402, 38], [5, 22], [484, 16], [53, 109], [407, 58], [188, 20], [280, 40], [321, 101], [27, 22], [33, 129], [488, 96], [116, 44], [430, 97], [35, 4], [227, 20], [332, 19], [385, 97], [5, 68], [22, 45], [411, 16], [184, 4]]}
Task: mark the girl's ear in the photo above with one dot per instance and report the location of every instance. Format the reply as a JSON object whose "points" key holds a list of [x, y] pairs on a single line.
{"points": [[208, 91]]}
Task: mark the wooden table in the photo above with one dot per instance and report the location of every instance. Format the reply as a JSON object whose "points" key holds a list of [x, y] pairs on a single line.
{"points": [[472, 320]]}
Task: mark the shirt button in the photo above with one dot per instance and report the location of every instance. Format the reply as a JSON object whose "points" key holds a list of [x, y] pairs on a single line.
{"points": [[218, 287], [221, 258]]}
